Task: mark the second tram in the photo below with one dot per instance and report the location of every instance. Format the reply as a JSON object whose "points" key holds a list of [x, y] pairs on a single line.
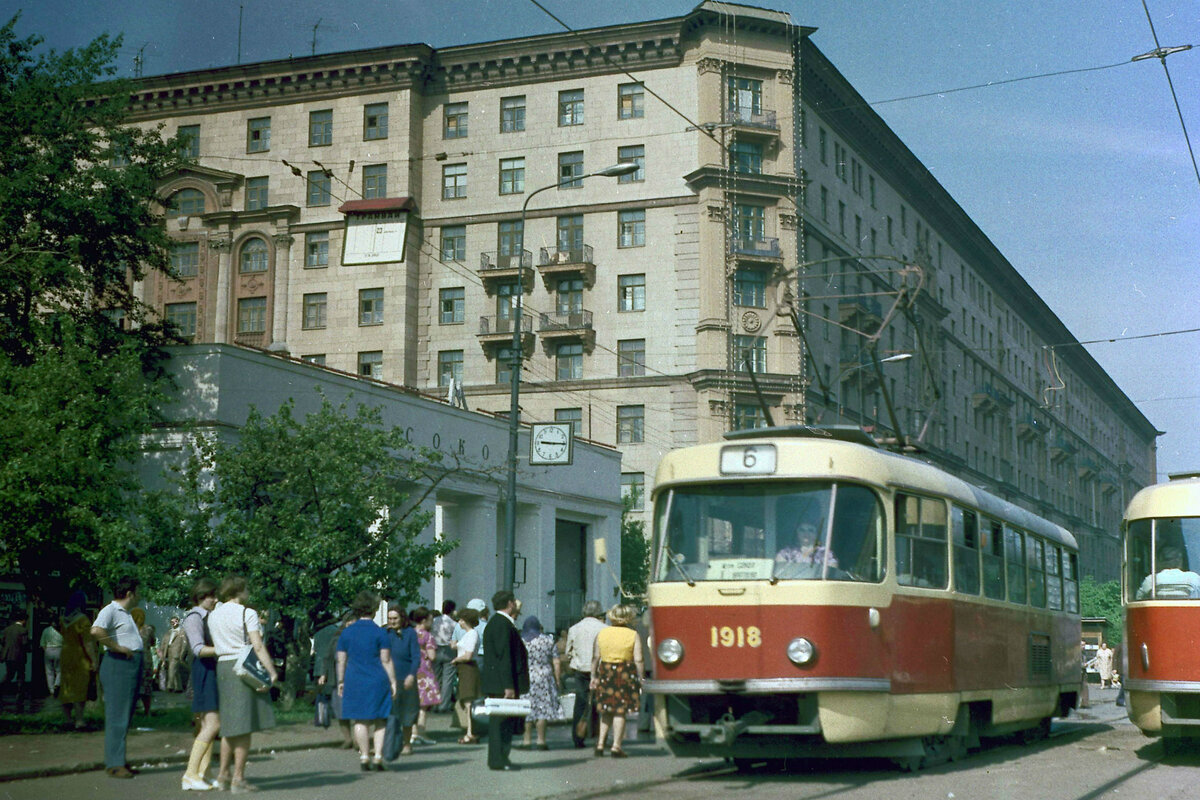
{"points": [[1162, 610], [814, 595]]}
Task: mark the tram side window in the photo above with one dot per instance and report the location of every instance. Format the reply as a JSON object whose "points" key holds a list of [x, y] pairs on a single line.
{"points": [[1036, 558], [1175, 545], [1014, 554], [857, 539], [921, 552], [1054, 597], [966, 550], [1071, 581], [991, 544]]}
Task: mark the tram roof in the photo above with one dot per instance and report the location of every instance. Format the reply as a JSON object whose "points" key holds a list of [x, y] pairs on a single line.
{"points": [[1179, 497], [850, 453]]}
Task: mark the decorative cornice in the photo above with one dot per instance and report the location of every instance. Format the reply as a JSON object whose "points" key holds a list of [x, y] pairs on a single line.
{"points": [[712, 176]]}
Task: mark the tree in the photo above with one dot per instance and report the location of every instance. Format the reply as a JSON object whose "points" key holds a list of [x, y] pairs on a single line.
{"points": [[635, 554], [78, 352], [310, 511], [1103, 600]]}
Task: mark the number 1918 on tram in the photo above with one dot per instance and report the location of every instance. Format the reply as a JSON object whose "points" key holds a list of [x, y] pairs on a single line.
{"points": [[814, 595]]}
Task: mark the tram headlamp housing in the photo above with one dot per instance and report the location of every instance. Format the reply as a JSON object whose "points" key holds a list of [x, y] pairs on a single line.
{"points": [[670, 651], [801, 651]]}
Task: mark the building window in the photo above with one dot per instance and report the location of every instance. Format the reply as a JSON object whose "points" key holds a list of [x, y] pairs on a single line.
{"points": [[750, 287], [450, 367], [185, 203], [822, 139], [745, 97], [375, 121], [370, 364], [631, 228], [254, 256], [256, 193], [320, 188], [631, 101], [316, 250], [185, 259], [451, 306], [824, 204], [570, 107], [504, 363], [574, 416], [631, 424], [315, 306], [454, 243], [633, 154], [188, 137], [631, 292], [633, 490], [512, 175], [570, 170], [258, 135], [746, 157], [454, 124], [570, 233], [568, 362], [370, 306], [252, 315], [314, 358], [454, 181], [512, 114], [631, 357], [752, 349], [749, 223], [510, 238], [320, 128], [182, 317], [374, 181], [569, 296], [747, 416]]}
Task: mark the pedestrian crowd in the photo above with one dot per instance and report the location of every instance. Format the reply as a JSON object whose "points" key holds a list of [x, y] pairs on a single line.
{"points": [[497, 673]]}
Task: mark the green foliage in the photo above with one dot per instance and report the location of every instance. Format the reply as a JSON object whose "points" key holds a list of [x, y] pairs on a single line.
{"points": [[635, 556], [310, 511], [76, 386], [1103, 600]]}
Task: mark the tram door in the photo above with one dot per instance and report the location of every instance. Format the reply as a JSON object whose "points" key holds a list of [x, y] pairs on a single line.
{"points": [[570, 573]]}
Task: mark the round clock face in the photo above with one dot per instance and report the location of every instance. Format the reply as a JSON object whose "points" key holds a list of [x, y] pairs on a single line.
{"points": [[550, 443]]}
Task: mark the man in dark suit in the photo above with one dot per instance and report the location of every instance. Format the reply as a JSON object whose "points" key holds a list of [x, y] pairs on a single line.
{"points": [[505, 673]]}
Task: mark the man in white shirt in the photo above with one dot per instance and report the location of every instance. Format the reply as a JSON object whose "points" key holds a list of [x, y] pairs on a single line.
{"points": [[120, 672], [581, 638], [1172, 582]]}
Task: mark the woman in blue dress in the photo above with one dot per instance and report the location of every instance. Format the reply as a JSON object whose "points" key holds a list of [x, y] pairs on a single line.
{"points": [[366, 679]]}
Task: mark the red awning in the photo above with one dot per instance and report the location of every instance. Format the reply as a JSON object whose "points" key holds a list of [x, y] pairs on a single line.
{"points": [[376, 205]]}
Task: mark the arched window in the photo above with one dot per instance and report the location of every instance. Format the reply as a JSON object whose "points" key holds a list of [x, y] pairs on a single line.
{"points": [[254, 256], [185, 203]]}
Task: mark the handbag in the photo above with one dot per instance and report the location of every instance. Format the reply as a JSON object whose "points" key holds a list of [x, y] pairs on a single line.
{"points": [[321, 716], [247, 666], [506, 707]]}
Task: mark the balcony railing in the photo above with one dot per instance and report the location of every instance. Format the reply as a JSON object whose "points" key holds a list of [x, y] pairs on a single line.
{"points": [[751, 117], [572, 321], [490, 326], [549, 256], [255, 339], [489, 261], [761, 247]]}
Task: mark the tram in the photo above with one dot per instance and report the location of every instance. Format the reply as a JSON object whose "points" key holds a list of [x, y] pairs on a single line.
{"points": [[1162, 610], [814, 595]]}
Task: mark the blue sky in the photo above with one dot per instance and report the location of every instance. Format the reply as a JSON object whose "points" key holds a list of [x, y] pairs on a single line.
{"points": [[1082, 180]]}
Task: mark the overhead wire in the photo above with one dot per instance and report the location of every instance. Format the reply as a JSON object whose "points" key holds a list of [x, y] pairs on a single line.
{"points": [[1162, 57]]}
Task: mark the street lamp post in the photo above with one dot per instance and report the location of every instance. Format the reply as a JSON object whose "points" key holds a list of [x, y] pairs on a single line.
{"points": [[842, 376], [510, 510]]}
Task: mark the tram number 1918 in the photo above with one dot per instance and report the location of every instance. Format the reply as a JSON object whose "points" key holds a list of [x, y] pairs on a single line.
{"points": [[726, 636]]}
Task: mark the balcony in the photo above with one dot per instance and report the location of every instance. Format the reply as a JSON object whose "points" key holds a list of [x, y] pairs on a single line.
{"points": [[251, 339], [495, 268], [555, 263], [496, 332], [753, 121], [1030, 428], [762, 248], [988, 399], [862, 313], [1061, 449], [575, 325]]}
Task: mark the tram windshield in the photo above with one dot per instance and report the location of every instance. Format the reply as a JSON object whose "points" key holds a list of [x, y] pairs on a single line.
{"points": [[787, 530], [1161, 556]]}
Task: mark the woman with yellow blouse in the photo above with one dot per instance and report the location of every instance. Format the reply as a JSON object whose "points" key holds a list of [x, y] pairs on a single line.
{"points": [[617, 667]]}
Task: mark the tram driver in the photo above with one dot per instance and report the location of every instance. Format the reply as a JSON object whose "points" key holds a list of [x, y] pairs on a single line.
{"points": [[806, 557], [1172, 582]]}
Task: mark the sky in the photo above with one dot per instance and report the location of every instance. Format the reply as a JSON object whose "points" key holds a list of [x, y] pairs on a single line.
{"points": [[1082, 180]]}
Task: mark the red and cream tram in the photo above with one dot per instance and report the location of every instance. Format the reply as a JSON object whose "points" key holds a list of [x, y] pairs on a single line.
{"points": [[816, 595], [1162, 610]]}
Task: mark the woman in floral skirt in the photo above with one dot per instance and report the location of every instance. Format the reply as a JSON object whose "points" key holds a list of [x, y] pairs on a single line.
{"points": [[544, 675], [617, 667], [427, 683]]}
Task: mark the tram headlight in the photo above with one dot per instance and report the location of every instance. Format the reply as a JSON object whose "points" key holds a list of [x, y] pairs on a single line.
{"points": [[801, 651], [670, 651]]}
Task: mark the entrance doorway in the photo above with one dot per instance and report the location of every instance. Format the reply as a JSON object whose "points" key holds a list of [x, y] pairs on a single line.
{"points": [[570, 572]]}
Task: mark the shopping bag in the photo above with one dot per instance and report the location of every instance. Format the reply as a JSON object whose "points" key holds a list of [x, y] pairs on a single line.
{"points": [[247, 667], [321, 717]]}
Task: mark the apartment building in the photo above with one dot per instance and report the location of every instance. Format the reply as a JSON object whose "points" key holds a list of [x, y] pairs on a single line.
{"points": [[777, 241]]}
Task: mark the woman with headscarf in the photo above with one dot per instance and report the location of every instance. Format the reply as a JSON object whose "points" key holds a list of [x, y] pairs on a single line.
{"points": [[79, 660], [544, 674], [617, 667], [146, 690]]}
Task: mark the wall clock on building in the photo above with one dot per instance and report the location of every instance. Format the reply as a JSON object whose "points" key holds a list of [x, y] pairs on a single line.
{"points": [[550, 443]]}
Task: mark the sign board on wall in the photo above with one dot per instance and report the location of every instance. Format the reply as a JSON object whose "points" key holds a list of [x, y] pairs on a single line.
{"points": [[375, 230]]}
